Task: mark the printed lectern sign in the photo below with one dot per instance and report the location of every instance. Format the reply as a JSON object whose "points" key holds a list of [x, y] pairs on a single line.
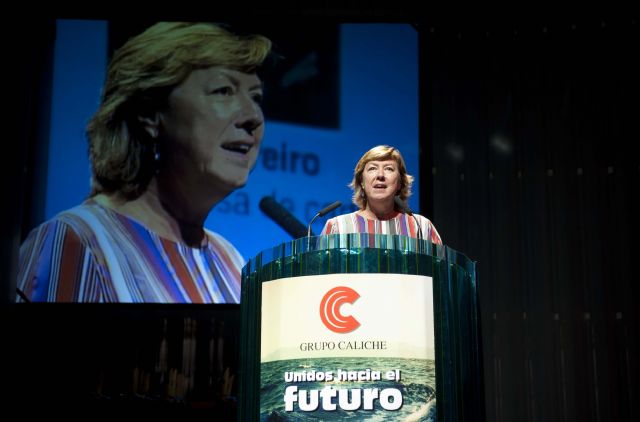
{"points": [[354, 346]]}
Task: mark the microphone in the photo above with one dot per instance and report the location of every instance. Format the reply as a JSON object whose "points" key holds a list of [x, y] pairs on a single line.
{"points": [[281, 216], [405, 209], [322, 212]]}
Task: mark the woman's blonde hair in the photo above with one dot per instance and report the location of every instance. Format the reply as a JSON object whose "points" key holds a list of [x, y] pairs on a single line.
{"points": [[139, 79], [380, 153]]}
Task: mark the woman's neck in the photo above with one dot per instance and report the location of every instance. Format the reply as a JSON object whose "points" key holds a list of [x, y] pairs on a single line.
{"points": [[379, 211], [169, 215]]}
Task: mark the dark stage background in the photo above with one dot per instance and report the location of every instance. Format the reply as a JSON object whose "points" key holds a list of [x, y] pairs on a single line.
{"points": [[529, 165], [534, 133]]}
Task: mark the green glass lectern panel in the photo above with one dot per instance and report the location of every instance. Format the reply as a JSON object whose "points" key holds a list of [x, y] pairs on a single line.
{"points": [[455, 315]]}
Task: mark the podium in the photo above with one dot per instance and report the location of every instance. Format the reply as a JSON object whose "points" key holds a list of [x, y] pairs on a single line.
{"points": [[360, 326]]}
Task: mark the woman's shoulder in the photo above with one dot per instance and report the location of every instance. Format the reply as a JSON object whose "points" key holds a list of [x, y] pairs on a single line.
{"points": [[86, 217], [69, 235], [79, 218], [433, 234], [88, 225], [221, 245], [423, 219]]}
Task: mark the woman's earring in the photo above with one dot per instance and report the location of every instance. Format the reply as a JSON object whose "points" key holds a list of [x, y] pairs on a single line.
{"points": [[156, 156], [153, 132]]}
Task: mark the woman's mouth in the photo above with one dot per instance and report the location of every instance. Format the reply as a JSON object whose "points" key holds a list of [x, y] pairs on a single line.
{"points": [[239, 147]]}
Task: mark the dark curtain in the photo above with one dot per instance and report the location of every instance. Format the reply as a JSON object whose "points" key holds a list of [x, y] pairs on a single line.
{"points": [[531, 159]]}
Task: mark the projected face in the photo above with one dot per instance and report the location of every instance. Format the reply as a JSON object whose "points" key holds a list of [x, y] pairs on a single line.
{"points": [[381, 181], [212, 128]]}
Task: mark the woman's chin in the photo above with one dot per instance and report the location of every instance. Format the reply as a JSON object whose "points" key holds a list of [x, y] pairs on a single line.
{"points": [[380, 198], [228, 184]]}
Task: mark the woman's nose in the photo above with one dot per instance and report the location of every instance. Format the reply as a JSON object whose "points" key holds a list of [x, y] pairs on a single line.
{"points": [[249, 124], [250, 117]]}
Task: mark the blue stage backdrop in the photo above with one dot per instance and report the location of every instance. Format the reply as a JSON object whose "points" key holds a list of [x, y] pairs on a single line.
{"points": [[303, 167]]}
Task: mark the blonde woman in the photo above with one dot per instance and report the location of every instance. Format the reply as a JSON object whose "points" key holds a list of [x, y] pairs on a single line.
{"points": [[177, 130], [378, 178]]}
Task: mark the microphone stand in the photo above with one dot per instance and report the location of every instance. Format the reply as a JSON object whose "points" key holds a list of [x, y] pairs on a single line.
{"points": [[310, 223], [309, 231], [405, 208], [320, 213]]}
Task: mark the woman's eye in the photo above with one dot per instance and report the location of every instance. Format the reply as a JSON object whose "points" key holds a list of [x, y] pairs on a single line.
{"points": [[257, 98], [225, 90]]}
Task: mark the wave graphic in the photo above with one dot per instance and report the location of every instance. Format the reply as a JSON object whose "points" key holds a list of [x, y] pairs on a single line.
{"points": [[416, 384]]}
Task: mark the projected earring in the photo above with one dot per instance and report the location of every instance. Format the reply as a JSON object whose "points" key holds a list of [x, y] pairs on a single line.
{"points": [[156, 156], [153, 133]]}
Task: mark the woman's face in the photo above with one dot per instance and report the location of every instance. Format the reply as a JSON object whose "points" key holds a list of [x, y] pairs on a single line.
{"points": [[381, 180], [212, 127]]}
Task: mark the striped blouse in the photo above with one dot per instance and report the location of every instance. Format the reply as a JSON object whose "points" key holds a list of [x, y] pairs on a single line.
{"points": [[91, 253], [402, 224]]}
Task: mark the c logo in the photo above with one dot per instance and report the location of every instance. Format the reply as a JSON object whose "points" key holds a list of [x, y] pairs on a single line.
{"points": [[330, 309]]}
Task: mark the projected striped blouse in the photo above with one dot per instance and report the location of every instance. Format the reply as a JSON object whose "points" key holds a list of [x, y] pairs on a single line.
{"points": [[402, 224], [91, 253]]}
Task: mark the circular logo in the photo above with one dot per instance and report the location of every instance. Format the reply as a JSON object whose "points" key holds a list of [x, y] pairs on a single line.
{"points": [[330, 309]]}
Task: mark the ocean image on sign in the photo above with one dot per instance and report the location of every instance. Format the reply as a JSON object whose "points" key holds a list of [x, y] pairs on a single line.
{"points": [[303, 400]]}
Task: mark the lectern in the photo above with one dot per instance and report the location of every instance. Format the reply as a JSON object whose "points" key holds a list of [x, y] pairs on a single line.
{"points": [[359, 326]]}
